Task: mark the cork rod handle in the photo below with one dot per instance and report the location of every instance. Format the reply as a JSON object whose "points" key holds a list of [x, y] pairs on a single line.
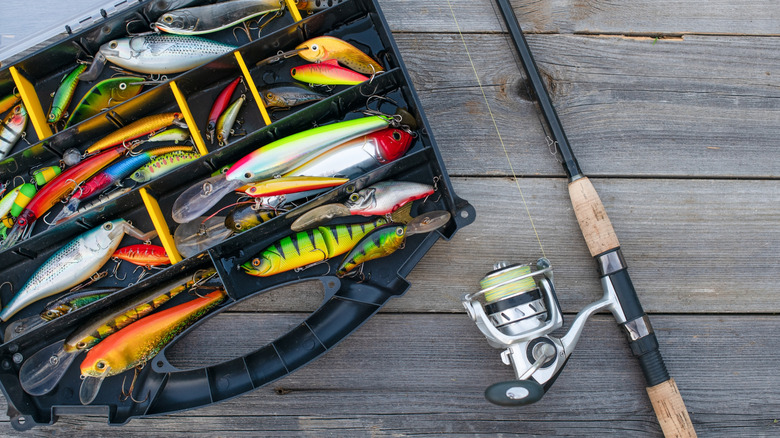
{"points": [[670, 409]]}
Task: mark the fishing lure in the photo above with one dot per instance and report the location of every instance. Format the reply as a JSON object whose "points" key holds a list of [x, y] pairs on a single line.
{"points": [[9, 102], [14, 201], [73, 263], [105, 94], [199, 235], [64, 94], [43, 370], [291, 184], [307, 247], [288, 94], [219, 107], [143, 255], [162, 165], [156, 54], [136, 129], [327, 48], [387, 239], [74, 301], [12, 129], [56, 309], [140, 341], [379, 199], [57, 189], [113, 174], [271, 160], [199, 20], [359, 156], [326, 73], [248, 216], [227, 119], [176, 135], [46, 174]]}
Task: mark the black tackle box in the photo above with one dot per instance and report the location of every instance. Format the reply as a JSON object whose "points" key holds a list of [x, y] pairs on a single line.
{"points": [[348, 302]]}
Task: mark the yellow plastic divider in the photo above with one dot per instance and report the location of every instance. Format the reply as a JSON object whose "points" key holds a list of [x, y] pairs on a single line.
{"points": [[193, 127], [251, 84], [293, 9], [163, 232], [31, 103]]}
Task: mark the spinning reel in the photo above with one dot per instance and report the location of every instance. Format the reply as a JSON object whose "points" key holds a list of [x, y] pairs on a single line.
{"points": [[516, 310]]}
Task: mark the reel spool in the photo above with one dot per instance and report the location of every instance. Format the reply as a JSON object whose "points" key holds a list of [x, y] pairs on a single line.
{"points": [[517, 309]]}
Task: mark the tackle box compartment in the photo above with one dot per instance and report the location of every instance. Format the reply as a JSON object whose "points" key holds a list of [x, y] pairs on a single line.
{"points": [[348, 302]]}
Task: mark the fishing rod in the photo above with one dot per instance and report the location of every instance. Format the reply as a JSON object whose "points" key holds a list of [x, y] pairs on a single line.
{"points": [[517, 308]]}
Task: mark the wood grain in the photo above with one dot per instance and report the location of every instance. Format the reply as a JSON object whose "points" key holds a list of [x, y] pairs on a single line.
{"points": [[417, 374], [701, 107]]}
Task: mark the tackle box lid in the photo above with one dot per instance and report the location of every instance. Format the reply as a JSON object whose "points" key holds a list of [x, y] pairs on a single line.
{"points": [[19, 31]]}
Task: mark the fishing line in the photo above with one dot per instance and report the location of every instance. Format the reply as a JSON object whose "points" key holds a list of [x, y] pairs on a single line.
{"points": [[495, 125]]}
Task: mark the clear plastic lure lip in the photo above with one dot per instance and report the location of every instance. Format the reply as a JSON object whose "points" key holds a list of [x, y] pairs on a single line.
{"points": [[199, 198], [41, 372]]}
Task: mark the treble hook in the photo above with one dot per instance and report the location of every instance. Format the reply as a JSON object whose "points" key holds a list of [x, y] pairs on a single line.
{"points": [[115, 271], [124, 395]]}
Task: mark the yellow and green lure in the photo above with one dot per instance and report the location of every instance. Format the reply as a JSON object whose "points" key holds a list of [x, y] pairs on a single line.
{"points": [[388, 239], [307, 247], [380, 243], [64, 94]]}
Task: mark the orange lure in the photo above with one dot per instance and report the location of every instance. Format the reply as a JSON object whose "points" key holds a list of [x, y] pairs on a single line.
{"points": [[134, 130], [143, 255], [140, 341]]}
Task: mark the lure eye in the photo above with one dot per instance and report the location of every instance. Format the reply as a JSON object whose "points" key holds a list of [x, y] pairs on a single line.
{"points": [[108, 226], [122, 86], [399, 231], [354, 197], [255, 262], [292, 72], [248, 175], [167, 19], [238, 226], [314, 47], [269, 96], [49, 313], [396, 136], [81, 344], [100, 365], [113, 45]]}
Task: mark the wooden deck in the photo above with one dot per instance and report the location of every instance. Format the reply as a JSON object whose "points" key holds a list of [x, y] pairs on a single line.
{"points": [[673, 109]]}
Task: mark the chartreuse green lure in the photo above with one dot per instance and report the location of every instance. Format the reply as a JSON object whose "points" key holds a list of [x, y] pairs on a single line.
{"points": [[306, 247]]}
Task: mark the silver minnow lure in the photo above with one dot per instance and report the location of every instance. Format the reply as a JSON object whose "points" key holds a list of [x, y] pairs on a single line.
{"points": [[73, 263], [200, 20], [379, 199], [162, 54], [12, 128]]}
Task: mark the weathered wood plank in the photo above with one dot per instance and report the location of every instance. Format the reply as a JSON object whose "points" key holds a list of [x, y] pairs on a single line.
{"points": [[583, 16], [416, 375], [703, 106], [692, 246], [570, 16]]}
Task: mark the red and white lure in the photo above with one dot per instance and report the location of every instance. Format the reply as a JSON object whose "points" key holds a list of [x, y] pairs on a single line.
{"points": [[379, 199]]}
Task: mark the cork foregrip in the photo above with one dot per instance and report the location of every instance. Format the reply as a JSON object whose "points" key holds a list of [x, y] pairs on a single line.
{"points": [[670, 410], [594, 222]]}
